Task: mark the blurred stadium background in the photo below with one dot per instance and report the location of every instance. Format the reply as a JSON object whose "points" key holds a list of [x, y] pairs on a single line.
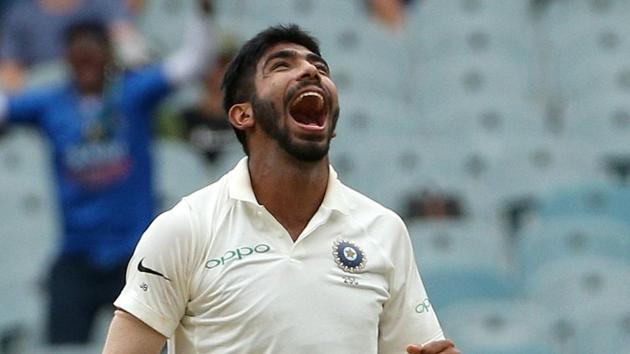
{"points": [[518, 111]]}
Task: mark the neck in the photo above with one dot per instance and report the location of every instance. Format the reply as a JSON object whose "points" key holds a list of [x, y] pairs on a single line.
{"points": [[290, 190]]}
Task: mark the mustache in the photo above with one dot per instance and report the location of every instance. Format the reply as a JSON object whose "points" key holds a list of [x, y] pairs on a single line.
{"points": [[302, 84]]}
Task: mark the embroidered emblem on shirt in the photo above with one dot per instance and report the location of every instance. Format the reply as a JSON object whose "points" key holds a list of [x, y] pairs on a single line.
{"points": [[349, 256]]}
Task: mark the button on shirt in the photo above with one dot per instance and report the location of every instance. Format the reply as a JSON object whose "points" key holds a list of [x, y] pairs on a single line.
{"points": [[218, 274]]}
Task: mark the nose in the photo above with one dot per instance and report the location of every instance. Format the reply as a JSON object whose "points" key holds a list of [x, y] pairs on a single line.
{"points": [[309, 70]]}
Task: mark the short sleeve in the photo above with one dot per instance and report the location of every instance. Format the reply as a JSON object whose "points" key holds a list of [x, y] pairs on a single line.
{"points": [[158, 275], [407, 316]]}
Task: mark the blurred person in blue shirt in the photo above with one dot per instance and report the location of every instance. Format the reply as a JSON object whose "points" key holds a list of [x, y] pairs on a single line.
{"points": [[99, 127]]}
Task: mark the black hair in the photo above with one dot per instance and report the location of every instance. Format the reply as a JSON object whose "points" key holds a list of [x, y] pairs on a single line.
{"points": [[238, 81], [92, 29]]}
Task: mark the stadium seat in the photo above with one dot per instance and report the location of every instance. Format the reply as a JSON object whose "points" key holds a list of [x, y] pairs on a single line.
{"points": [[606, 334], [365, 57], [365, 116], [568, 23], [533, 167], [497, 327], [604, 116], [92, 348], [382, 166], [593, 77], [572, 236], [596, 198], [162, 24], [171, 159], [442, 29], [448, 81], [461, 261], [592, 327], [316, 16], [489, 121], [174, 156], [287, 10], [29, 230], [577, 287], [587, 43], [500, 14]]}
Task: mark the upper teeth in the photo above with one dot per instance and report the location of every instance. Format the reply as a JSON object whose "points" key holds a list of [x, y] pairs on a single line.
{"points": [[311, 93]]}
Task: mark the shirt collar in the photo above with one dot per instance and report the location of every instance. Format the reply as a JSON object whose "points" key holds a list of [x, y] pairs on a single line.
{"points": [[240, 188]]}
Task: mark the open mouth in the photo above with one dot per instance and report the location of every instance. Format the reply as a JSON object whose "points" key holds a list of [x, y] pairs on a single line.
{"points": [[309, 109]]}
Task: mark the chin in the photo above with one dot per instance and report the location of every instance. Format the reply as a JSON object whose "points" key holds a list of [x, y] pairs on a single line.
{"points": [[308, 153]]}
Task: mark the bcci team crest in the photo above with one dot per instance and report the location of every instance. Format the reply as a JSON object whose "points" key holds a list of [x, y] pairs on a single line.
{"points": [[348, 256]]}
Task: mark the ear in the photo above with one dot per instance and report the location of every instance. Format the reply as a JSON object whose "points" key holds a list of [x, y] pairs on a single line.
{"points": [[241, 116]]}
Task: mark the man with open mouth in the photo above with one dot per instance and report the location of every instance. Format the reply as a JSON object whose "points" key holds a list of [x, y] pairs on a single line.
{"points": [[278, 256]]}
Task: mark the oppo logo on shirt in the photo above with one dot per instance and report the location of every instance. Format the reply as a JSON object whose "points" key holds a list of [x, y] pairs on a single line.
{"points": [[237, 254]]}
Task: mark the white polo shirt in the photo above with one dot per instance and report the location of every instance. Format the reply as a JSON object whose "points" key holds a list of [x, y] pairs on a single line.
{"points": [[218, 274]]}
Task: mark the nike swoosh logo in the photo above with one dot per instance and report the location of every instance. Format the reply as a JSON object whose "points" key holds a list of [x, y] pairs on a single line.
{"points": [[144, 269]]}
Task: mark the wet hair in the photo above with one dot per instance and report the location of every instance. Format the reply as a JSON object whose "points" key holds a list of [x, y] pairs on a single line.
{"points": [[238, 81], [92, 29]]}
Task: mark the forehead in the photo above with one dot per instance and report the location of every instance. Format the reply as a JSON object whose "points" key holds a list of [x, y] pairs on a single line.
{"points": [[86, 41], [298, 49]]}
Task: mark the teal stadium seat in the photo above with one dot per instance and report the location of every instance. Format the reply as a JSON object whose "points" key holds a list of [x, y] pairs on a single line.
{"points": [[383, 167], [600, 117], [460, 261], [247, 17], [605, 335], [587, 46], [365, 57], [596, 198], [569, 237], [284, 11], [498, 327], [489, 122], [577, 288], [444, 28], [162, 24], [453, 79], [597, 322], [179, 169], [28, 230]]}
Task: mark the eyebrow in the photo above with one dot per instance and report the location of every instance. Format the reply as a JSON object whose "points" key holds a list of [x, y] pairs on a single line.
{"points": [[288, 53]]}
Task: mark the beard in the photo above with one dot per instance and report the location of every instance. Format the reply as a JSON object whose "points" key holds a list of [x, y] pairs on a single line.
{"points": [[268, 117]]}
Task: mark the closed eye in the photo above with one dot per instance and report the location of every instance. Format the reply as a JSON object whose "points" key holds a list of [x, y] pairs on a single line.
{"points": [[280, 65], [323, 68]]}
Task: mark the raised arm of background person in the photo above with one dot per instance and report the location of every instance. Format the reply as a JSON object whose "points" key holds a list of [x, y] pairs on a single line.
{"points": [[26, 107], [127, 334], [198, 46]]}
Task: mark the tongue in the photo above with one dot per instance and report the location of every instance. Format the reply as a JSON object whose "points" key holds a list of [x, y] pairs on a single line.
{"points": [[308, 110]]}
